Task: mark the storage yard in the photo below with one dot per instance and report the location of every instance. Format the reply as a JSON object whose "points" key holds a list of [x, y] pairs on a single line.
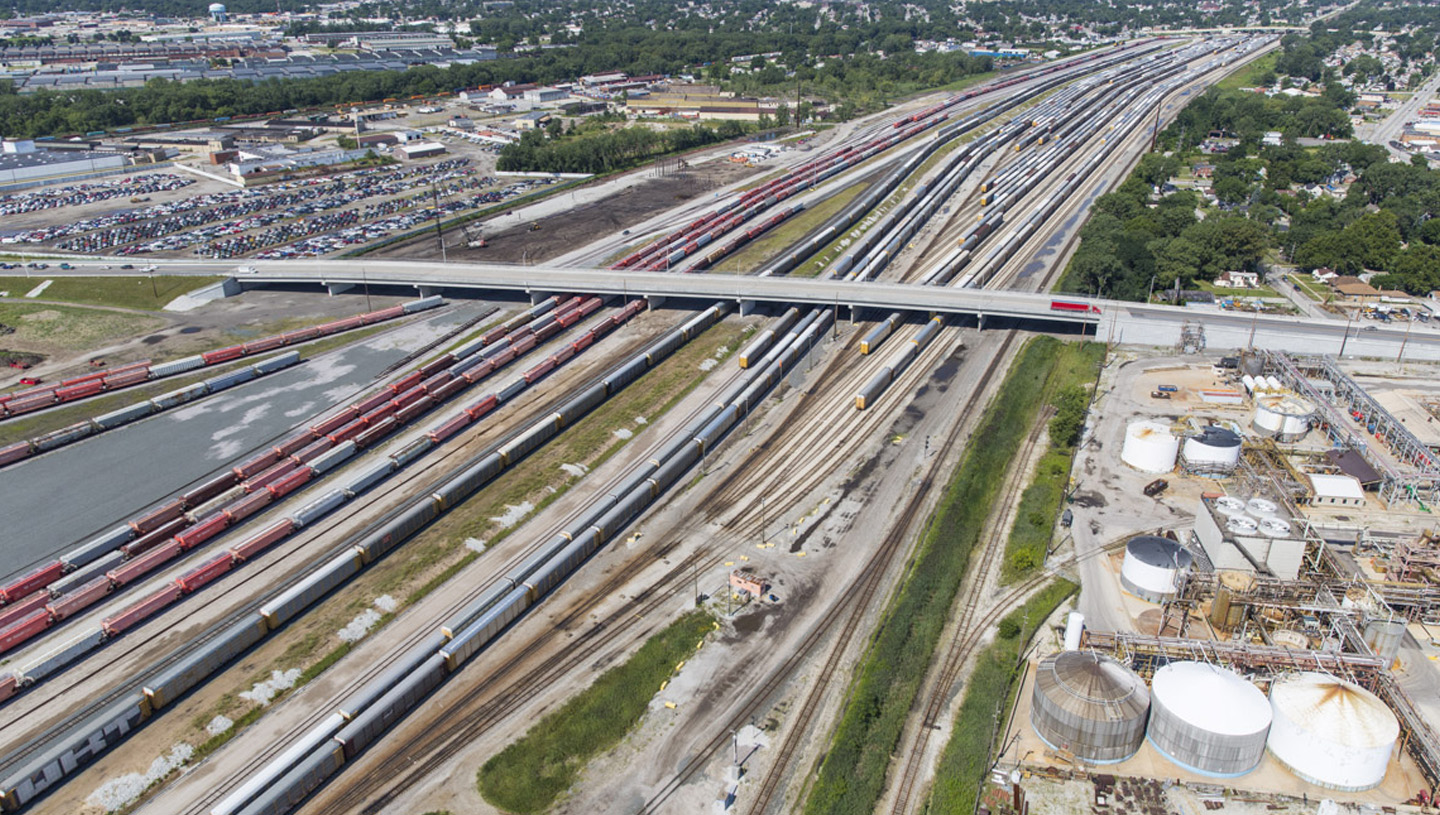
{"points": [[386, 537]]}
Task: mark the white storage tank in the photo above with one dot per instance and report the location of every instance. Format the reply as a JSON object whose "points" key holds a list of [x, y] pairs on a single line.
{"points": [[1213, 449], [1331, 732], [1153, 566], [1089, 704], [1208, 719], [1286, 417], [1150, 447]]}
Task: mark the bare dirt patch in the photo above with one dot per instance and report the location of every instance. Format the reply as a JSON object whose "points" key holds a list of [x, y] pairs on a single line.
{"points": [[558, 234]]}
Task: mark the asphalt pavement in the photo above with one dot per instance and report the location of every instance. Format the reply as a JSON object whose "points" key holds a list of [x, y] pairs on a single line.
{"points": [[54, 501]]}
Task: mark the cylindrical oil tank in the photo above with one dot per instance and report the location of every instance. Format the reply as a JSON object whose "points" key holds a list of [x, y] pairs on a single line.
{"points": [[1384, 638], [1153, 566], [1285, 417], [1207, 719], [1149, 446], [1331, 732], [1089, 704], [1215, 448]]}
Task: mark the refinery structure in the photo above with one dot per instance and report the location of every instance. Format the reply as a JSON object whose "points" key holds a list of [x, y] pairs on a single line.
{"points": [[1259, 591]]}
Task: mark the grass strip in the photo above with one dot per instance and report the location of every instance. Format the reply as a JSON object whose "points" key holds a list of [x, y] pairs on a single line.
{"points": [[150, 293], [767, 246], [967, 755], [852, 776], [532, 773], [1071, 381]]}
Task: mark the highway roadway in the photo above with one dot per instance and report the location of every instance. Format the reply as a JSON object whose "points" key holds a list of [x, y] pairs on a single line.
{"points": [[1117, 322], [1389, 128]]}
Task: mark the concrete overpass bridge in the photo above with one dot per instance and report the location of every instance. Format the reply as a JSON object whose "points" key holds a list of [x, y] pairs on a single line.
{"points": [[1204, 328]]}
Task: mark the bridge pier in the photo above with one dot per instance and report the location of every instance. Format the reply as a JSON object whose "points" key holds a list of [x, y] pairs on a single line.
{"points": [[338, 288], [655, 301], [537, 296], [747, 307], [428, 291], [980, 321]]}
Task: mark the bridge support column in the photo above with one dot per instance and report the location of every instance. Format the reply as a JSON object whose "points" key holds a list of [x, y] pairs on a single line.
{"points": [[655, 301], [980, 322], [747, 307], [537, 296], [338, 288], [427, 291]]}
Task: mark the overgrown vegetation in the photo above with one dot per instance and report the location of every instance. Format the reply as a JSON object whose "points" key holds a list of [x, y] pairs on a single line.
{"points": [[529, 775], [1068, 390], [967, 755], [853, 775]]}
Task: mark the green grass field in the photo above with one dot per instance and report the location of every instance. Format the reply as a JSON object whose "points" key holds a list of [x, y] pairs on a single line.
{"points": [[531, 774], [121, 292]]}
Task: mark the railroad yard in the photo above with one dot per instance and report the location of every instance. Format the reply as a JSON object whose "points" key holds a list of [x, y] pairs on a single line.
{"points": [[278, 547]]}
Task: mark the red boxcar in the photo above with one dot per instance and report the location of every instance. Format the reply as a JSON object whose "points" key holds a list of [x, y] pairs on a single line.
{"points": [[258, 464], [375, 432], [19, 632], [8, 684], [271, 475], [312, 450], [138, 612], [327, 426], [15, 452], [21, 608], [158, 516], [483, 406], [32, 582], [209, 489], [223, 354], [128, 571], [406, 382], [247, 506], [450, 428], [80, 391], [205, 573], [430, 369], [291, 482], [372, 401], [80, 598], [256, 544], [287, 448], [154, 537], [348, 432]]}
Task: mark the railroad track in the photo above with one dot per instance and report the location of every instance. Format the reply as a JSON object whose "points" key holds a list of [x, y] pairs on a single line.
{"points": [[967, 633], [318, 712], [847, 613], [379, 504]]}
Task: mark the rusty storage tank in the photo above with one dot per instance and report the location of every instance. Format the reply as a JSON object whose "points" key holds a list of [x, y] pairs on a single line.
{"points": [[1331, 732], [1091, 705], [1208, 719]]}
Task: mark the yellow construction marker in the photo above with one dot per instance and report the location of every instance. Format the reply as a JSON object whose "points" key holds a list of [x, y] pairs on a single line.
{"points": [[681, 665], [729, 563], [670, 705], [744, 557], [664, 684]]}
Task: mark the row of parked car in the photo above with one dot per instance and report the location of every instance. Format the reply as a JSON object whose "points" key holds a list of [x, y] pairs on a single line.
{"points": [[79, 194]]}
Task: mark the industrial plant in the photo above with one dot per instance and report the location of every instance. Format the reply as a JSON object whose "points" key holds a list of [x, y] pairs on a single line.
{"points": [[1260, 631]]}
